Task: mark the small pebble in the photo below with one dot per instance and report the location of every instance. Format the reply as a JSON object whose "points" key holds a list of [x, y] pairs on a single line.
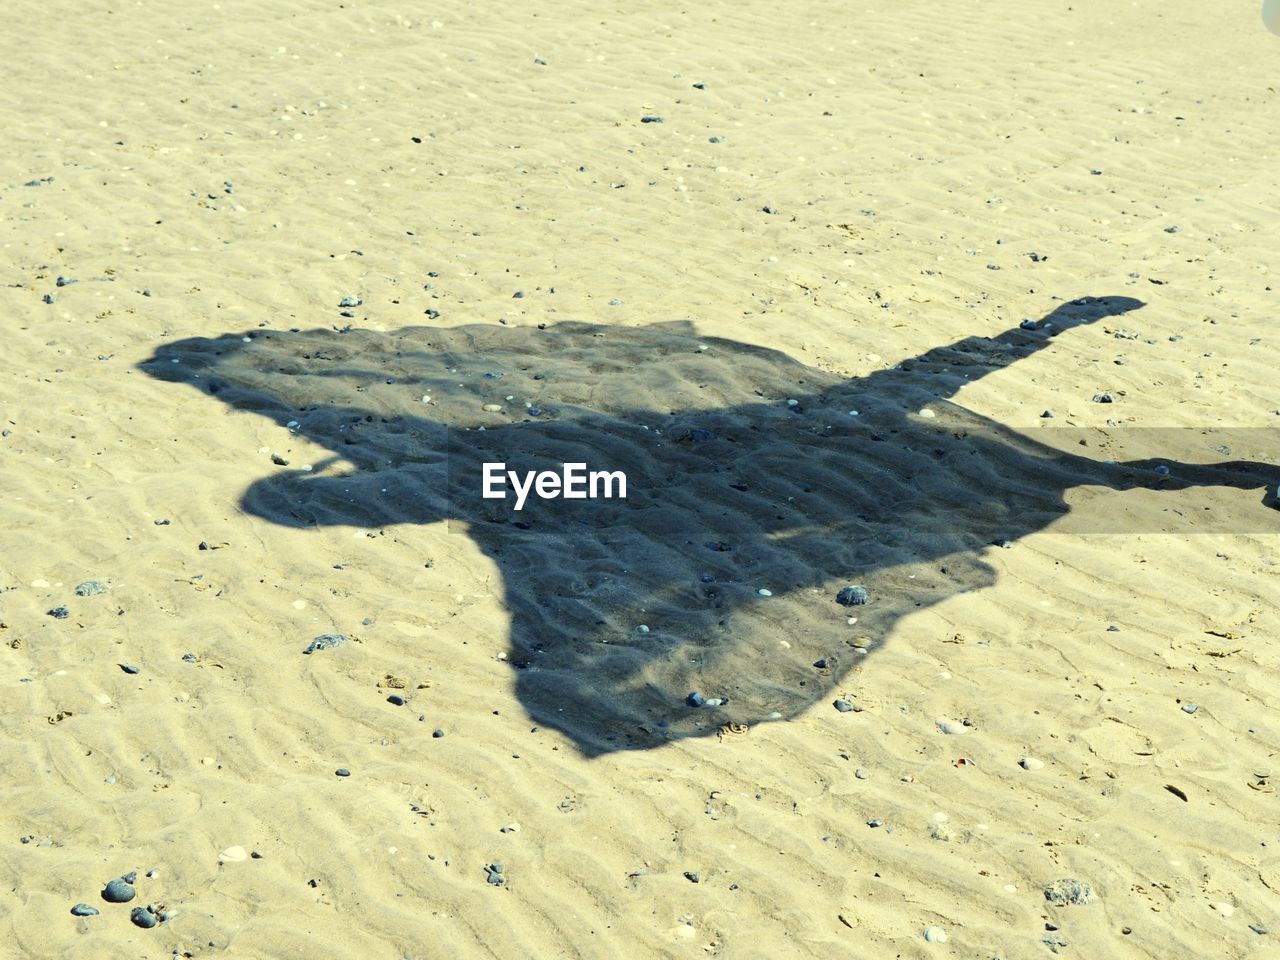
{"points": [[118, 891], [951, 727], [1031, 763], [692, 877], [84, 910], [1063, 892], [651, 118], [437, 733], [935, 935], [59, 613], [696, 699], [128, 668], [325, 641], [875, 822], [396, 700], [853, 596], [492, 407], [142, 917], [765, 593], [1103, 398], [1190, 708], [844, 706], [350, 302], [342, 772], [861, 774], [91, 588]]}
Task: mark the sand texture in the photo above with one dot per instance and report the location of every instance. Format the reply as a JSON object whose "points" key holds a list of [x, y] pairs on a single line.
{"points": [[967, 306]]}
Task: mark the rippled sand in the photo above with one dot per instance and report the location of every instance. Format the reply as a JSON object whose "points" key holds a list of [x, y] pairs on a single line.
{"points": [[843, 208]]}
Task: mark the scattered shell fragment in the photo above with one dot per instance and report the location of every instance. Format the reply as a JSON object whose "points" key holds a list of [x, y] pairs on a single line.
{"points": [[236, 854]]}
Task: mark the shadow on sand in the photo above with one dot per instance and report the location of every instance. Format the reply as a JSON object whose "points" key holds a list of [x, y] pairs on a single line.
{"points": [[745, 472]]}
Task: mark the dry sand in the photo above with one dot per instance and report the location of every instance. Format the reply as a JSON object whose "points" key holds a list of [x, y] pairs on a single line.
{"points": [[207, 172]]}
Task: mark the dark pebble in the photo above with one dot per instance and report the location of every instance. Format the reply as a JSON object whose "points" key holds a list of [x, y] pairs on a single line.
{"points": [[396, 700], [325, 641], [47, 298], [820, 664], [1029, 324], [651, 118], [189, 657], [118, 891], [518, 295], [162, 523], [852, 596], [1047, 415], [350, 302], [432, 314], [877, 822], [59, 613], [695, 699], [844, 706], [342, 772], [128, 668], [142, 917], [1103, 398], [713, 139], [64, 281], [437, 733], [90, 588], [692, 877], [84, 910]]}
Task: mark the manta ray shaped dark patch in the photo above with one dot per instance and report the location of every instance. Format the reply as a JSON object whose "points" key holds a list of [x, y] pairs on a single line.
{"points": [[754, 494]]}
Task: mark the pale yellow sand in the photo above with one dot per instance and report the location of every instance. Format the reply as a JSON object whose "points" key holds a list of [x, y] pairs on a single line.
{"points": [[958, 126]]}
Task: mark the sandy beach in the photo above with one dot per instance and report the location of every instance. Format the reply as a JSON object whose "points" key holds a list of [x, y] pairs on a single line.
{"points": [[934, 342]]}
